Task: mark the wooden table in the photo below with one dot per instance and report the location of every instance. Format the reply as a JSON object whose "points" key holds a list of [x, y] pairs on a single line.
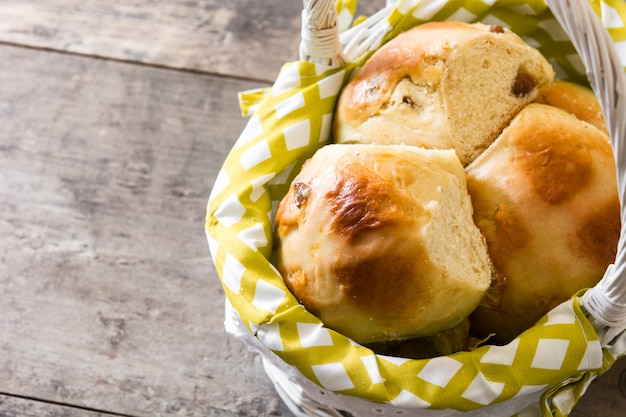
{"points": [[115, 117]]}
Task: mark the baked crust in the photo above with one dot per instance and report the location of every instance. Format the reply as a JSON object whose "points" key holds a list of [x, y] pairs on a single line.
{"points": [[444, 85], [575, 99], [545, 198], [379, 241]]}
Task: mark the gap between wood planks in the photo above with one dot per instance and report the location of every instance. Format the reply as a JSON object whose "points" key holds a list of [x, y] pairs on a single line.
{"points": [[65, 405], [137, 63]]}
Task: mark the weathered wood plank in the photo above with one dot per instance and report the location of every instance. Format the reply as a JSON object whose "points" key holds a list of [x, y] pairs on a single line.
{"points": [[109, 298], [12, 406], [243, 38]]}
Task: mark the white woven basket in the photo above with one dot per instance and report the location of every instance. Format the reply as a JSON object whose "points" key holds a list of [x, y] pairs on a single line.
{"points": [[605, 304]]}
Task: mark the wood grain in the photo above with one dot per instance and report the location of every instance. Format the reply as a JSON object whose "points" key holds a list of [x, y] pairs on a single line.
{"points": [[109, 298], [239, 38], [22, 407]]}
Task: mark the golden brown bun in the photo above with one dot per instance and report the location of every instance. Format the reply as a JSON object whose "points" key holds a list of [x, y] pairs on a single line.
{"points": [[444, 85], [575, 99], [545, 197], [379, 241]]}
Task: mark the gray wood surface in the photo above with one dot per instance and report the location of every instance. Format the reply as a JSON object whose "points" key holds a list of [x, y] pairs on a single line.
{"points": [[239, 38], [23, 407], [109, 298], [115, 117]]}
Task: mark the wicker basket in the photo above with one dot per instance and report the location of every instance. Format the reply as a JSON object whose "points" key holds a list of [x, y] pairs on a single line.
{"points": [[261, 312]]}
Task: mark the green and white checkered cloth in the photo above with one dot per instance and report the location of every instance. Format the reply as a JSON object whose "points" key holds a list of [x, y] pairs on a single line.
{"points": [[288, 122]]}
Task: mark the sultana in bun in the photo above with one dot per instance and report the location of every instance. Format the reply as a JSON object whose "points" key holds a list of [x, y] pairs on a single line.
{"points": [[444, 85]]}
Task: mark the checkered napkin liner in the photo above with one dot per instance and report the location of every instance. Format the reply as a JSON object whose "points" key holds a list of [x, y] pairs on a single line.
{"points": [[552, 363]]}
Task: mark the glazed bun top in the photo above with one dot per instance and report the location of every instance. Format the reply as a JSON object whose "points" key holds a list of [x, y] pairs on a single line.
{"points": [[574, 99], [545, 198], [444, 85], [379, 242]]}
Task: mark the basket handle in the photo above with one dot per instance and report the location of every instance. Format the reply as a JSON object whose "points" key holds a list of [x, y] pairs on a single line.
{"points": [[606, 302], [320, 34], [323, 43]]}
